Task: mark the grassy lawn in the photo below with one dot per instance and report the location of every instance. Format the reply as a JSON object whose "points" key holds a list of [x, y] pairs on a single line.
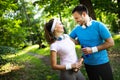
{"points": [[32, 63], [27, 66]]}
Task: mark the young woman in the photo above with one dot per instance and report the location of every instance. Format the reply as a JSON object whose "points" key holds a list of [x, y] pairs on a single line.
{"points": [[61, 45]]}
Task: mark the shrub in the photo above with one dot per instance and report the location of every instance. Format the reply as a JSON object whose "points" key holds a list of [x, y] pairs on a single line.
{"points": [[7, 50]]}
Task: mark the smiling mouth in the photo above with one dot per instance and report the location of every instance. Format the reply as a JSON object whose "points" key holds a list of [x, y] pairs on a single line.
{"points": [[78, 22]]}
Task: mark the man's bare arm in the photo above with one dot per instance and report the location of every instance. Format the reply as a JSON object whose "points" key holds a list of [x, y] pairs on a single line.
{"points": [[108, 43]]}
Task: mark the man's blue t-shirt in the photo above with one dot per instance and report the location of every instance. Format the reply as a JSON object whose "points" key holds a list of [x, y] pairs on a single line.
{"points": [[93, 35]]}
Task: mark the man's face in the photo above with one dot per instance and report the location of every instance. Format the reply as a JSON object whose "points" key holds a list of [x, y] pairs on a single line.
{"points": [[79, 18]]}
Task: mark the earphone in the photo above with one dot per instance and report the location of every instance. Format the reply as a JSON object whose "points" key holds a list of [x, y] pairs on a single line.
{"points": [[83, 26], [59, 38], [87, 24]]}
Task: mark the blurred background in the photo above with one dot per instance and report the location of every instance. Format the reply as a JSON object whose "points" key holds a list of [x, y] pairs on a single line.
{"points": [[24, 53]]}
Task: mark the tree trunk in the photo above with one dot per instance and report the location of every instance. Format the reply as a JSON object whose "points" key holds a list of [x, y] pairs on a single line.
{"points": [[88, 4], [118, 2]]}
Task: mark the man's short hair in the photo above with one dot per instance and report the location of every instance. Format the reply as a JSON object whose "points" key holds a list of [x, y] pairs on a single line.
{"points": [[80, 8]]}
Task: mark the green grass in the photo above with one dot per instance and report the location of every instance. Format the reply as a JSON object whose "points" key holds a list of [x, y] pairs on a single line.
{"points": [[27, 66], [114, 54], [32, 63], [43, 51]]}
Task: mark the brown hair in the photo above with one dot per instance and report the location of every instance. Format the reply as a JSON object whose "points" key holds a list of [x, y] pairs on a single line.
{"points": [[80, 8], [48, 34]]}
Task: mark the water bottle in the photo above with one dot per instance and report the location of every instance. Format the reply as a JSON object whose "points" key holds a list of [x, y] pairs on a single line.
{"points": [[86, 55]]}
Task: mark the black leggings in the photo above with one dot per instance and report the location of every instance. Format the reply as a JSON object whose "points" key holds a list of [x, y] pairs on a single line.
{"points": [[99, 72]]}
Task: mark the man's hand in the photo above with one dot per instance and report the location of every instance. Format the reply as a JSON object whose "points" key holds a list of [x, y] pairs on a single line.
{"points": [[87, 50]]}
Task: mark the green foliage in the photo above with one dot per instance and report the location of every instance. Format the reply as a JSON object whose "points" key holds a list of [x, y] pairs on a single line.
{"points": [[7, 50], [110, 19], [17, 26], [114, 26], [108, 12], [7, 5], [22, 22], [109, 6], [2, 61], [57, 7], [117, 41], [11, 33], [32, 19]]}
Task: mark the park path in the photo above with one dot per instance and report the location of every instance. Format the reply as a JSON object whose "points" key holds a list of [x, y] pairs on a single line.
{"points": [[45, 59]]}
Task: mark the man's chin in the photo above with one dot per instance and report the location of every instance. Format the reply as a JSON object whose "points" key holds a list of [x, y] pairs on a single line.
{"points": [[79, 23]]}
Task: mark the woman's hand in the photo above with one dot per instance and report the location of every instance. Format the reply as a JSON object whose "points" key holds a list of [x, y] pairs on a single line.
{"points": [[78, 65]]}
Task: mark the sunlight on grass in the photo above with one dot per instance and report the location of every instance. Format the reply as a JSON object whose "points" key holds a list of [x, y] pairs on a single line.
{"points": [[21, 52], [9, 67], [49, 77], [116, 37], [42, 51], [46, 51], [27, 49], [19, 56], [78, 46]]}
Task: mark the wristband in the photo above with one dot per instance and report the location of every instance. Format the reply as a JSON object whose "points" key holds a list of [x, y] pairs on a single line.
{"points": [[68, 66], [94, 49]]}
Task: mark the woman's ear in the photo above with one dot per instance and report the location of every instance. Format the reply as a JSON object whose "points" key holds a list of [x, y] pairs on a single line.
{"points": [[55, 28]]}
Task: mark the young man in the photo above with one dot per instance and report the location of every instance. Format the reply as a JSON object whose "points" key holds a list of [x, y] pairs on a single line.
{"points": [[95, 38]]}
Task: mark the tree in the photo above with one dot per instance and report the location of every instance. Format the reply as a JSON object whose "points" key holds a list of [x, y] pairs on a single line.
{"points": [[18, 24], [118, 3], [88, 4], [109, 7], [11, 34]]}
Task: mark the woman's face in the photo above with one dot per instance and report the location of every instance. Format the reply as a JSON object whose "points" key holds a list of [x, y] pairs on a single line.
{"points": [[59, 27]]}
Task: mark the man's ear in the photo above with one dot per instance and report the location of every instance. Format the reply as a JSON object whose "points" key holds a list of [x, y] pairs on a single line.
{"points": [[83, 14]]}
